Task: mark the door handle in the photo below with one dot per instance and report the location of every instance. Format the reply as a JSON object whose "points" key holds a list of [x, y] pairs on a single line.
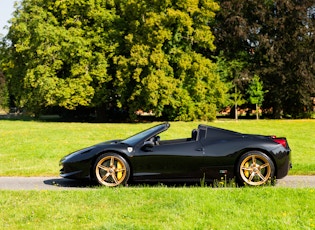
{"points": [[200, 149]]}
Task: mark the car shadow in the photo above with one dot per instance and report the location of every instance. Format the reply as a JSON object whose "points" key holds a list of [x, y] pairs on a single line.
{"points": [[71, 183], [68, 183]]}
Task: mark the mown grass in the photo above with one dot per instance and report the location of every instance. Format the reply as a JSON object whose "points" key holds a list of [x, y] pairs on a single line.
{"points": [[36, 147], [29, 148], [159, 208]]}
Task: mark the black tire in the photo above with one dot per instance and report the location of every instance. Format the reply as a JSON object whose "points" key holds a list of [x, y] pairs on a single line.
{"points": [[111, 169], [255, 168]]}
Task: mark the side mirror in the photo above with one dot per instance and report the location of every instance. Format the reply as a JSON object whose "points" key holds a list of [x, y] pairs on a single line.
{"points": [[147, 146]]}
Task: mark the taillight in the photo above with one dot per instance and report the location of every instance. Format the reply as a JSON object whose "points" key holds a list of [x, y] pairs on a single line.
{"points": [[281, 141]]}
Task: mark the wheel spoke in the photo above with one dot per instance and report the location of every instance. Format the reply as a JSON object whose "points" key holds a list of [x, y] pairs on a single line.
{"points": [[115, 178], [264, 166], [251, 176], [120, 170], [103, 167], [249, 170], [253, 159], [106, 176], [261, 176], [112, 161], [246, 168]]}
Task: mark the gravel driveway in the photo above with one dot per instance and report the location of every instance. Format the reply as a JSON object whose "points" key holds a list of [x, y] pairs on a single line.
{"points": [[55, 183]]}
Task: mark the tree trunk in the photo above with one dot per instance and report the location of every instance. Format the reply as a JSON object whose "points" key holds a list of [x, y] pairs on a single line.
{"points": [[257, 112]]}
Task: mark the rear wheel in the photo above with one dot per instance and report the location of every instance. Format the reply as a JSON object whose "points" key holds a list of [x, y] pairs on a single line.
{"points": [[255, 168], [111, 170]]}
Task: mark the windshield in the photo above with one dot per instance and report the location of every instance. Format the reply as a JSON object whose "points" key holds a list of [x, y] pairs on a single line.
{"points": [[143, 135]]}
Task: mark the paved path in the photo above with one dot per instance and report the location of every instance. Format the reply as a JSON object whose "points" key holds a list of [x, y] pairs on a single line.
{"points": [[41, 183], [297, 182], [55, 183]]}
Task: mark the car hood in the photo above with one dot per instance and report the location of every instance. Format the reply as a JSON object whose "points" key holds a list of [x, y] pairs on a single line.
{"points": [[111, 142], [90, 149]]}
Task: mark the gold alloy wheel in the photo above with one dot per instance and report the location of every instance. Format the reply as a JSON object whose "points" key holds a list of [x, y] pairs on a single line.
{"points": [[110, 171], [255, 170]]}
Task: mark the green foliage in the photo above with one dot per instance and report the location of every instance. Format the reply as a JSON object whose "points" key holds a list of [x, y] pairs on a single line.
{"points": [[148, 55], [162, 69], [255, 91], [56, 54], [275, 39], [4, 97], [233, 73]]}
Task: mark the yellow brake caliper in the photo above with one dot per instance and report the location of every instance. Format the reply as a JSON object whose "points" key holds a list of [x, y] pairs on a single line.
{"points": [[119, 174]]}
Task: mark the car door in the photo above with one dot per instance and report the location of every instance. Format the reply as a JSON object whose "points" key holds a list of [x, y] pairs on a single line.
{"points": [[220, 156], [180, 159]]}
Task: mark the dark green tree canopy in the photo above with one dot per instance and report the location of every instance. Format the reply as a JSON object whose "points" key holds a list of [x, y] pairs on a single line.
{"points": [[3, 92], [276, 39]]}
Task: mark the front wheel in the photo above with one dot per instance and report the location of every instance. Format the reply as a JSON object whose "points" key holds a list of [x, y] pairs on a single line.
{"points": [[111, 170], [255, 168]]}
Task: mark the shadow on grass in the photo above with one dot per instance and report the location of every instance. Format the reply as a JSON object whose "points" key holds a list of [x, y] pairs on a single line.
{"points": [[69, 183]]}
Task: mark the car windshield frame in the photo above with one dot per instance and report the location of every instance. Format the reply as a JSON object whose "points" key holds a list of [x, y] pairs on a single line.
{"points": [[144, 135]]}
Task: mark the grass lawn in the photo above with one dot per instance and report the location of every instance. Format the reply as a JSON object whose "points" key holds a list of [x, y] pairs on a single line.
{"points": [[159, 208], [29, 148], [34, 149]]}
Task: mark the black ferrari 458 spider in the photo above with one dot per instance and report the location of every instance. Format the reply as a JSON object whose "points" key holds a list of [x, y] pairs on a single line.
{"points": [[209, 153]]}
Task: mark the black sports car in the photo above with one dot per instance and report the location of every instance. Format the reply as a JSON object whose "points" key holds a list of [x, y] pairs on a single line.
{"points": [[210, 153]]}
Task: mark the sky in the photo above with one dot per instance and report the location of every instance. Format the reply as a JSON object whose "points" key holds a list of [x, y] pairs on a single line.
{"points": [[6, 10]]}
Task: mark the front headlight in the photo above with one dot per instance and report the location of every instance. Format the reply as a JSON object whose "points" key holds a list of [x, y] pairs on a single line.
{"points": [[75, 154]]}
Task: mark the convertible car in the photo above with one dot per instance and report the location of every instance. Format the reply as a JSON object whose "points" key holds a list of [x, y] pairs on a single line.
{"points": [[209, 153]]}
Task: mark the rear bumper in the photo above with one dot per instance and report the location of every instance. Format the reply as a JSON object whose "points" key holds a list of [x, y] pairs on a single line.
{"points": [[284, 166]]}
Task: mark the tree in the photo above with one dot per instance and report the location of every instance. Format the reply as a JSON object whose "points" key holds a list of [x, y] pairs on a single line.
{"points": [[232, 72], [120, 54], [256, 93], [276, 39], [162, 66], [3, 92], [289, 74], [56, 54]]}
